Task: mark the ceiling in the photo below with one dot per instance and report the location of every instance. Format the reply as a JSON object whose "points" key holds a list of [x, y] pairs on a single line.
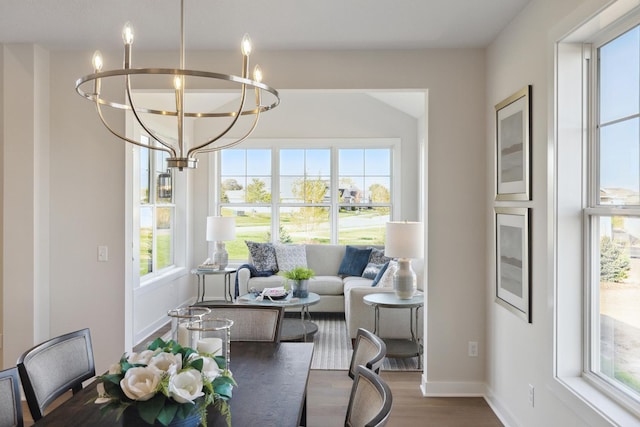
{"points": [[273, 25]]}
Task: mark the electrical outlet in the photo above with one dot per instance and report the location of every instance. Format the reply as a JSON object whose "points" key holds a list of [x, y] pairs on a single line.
{"points": [[473, 349], [531, 394]]}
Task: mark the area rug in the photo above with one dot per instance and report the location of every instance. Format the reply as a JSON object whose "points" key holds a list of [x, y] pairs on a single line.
{"points": [[333, 348]]}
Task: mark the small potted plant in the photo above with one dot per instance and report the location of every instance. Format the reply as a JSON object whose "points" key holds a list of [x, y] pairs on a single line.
{"points": [[300, 277]]}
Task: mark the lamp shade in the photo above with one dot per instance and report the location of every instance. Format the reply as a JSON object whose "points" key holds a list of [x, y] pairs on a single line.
{"points": [[404, 239], [220, 228]]}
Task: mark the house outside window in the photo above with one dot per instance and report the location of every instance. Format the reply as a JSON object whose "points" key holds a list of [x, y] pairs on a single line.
{"points": [[612, 218], [307, 193], [156, 213]]}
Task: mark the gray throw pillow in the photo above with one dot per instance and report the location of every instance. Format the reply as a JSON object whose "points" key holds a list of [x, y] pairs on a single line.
{"points": [[377, 256], [371, 270], [263, 256]]}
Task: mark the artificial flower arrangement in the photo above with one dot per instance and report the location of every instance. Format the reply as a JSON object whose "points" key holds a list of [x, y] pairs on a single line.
{"points": [[167, 382]]}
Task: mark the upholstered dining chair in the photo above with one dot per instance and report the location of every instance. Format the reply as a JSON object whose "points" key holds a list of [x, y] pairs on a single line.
{"points": [[368, 350], [250, 322], [54, 367], [370, 401], [10, 405]]}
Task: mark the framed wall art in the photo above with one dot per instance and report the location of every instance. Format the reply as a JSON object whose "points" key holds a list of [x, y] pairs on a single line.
{"points": [[513, 135], [513, 289]]}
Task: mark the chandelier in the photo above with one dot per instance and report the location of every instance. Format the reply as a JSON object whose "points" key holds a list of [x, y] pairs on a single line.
{"points": [[176, 79]]}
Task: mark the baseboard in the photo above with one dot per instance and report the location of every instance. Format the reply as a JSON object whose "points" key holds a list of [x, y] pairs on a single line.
{"points": [[500, 410], [452, 389]]}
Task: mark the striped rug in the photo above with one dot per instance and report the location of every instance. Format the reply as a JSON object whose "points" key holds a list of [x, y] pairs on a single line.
{"points": [[333, 348]]}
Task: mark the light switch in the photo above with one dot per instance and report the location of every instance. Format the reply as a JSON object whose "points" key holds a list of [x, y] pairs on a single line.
{"points": [[103, 253]]}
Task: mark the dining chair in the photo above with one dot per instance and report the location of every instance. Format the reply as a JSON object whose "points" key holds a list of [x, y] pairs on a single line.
{"points": [[369, 350], [10, 404], [250, 322], [54, 367], [370, 400]]}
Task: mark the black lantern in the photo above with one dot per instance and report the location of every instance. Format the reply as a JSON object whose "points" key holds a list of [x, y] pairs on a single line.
{"points": [[164, 185]]}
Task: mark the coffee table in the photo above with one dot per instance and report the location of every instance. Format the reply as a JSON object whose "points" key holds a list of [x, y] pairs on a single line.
{"points": [[292, 329]]}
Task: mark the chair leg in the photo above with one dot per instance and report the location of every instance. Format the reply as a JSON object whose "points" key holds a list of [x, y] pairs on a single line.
{"points": [[303, 419]]}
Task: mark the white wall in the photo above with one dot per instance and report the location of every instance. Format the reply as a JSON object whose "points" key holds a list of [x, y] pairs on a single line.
{"points": [[520, 353]]}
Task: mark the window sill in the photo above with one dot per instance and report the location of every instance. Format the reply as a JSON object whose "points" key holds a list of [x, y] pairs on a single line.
{"points": [[602, 406], [160, 280]]}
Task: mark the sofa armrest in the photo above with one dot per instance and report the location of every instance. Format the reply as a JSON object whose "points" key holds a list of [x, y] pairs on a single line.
{"points": [[243, 276], [394, 322]]}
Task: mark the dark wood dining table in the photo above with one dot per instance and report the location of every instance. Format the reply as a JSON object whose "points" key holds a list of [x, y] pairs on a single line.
{"points": [[272, 383]]}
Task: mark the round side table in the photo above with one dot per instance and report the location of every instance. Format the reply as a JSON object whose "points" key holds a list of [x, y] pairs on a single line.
{"points": [[399, 347]]}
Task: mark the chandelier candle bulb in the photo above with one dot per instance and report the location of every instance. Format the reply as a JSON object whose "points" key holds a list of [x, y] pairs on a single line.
{"points": [[96, 60], [209, 345], [246, 45]]}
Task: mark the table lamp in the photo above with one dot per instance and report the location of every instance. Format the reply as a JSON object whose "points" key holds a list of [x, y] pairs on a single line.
{"points": [[404, 240], [219, 229]]}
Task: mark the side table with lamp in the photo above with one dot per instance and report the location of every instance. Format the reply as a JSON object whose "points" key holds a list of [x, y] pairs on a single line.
{"points": [[219, 230]]}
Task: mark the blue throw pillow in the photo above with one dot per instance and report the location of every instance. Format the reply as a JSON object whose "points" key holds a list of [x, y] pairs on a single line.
{"points": [[380, 274], [354, 261]]}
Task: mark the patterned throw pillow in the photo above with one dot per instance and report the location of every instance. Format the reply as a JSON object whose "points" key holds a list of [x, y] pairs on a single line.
{"points": [[354, 261], [386, 281], [377, 256], [291, 256], [263, 256], [371, 270]]}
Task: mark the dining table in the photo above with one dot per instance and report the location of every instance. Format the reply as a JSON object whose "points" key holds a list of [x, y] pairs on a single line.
{"points": [[272, 383]]}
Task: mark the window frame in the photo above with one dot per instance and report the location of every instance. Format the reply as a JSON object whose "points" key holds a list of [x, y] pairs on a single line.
{"points": [[592, 212], [173, 270], [334, 145]]}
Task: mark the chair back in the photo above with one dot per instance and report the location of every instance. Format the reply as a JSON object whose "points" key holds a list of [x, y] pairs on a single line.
{"points": [[369, 350], [251, 322], [370, 401], [53, 367], [10, 405]]}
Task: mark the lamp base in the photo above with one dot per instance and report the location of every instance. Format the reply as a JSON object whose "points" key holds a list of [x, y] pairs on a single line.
{"points": [[404, 279], [220, 256]]}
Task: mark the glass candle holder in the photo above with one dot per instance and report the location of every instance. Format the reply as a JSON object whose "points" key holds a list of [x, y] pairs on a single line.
{"points": [[212, 336], [179, 319]]}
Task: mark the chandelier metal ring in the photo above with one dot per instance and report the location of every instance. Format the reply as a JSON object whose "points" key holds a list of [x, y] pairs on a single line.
{"points": [[175, 72]]}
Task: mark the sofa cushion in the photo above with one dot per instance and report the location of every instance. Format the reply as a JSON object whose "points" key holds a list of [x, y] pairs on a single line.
{"points": [[371, 270], [354, 261], [377, 256], [291, 256], [326, 285], [386, 281], [380, 273], [263, 256]]}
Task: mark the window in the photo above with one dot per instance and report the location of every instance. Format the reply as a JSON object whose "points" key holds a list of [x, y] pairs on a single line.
{"points": [[156, 213], [307, 193], [612, 218]]}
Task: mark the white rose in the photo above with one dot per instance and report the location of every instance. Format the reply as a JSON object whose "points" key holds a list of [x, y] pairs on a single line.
{"points": [[140, 383], [115, 369], [186, 386], [166, 362], [141, 358], [210, 368]]}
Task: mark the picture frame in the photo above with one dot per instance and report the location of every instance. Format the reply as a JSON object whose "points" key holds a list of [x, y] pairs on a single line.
{"points": [[513, 146], [513, 281]]}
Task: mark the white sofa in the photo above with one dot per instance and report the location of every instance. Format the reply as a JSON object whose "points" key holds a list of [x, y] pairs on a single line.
{"points": [[340, 294]]}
